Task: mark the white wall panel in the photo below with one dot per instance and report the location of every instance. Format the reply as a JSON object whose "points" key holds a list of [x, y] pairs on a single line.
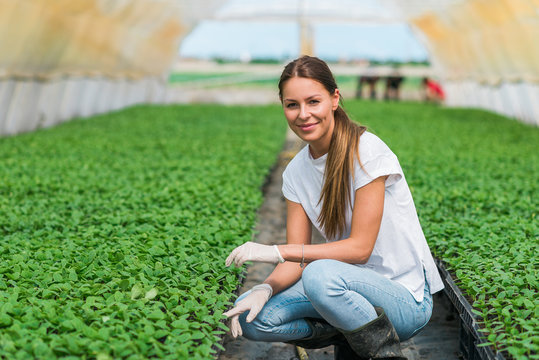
{"points": [[22, 114], [88, 104], [6, 93], [516, 100]]}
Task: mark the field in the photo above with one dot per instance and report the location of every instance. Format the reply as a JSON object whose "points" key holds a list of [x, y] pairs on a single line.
{"points": [[114, 229]]}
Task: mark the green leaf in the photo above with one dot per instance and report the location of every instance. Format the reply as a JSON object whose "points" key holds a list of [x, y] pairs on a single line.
{"points": [[73, 275], [156, 315], [151, 294], [123, 285], [103, 356], [198, 335], [136, 291]]}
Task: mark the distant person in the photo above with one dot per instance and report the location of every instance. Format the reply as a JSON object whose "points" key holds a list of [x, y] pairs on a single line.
{"points": [[371, 284], [370, 80], [433, 91], [393, 83]]}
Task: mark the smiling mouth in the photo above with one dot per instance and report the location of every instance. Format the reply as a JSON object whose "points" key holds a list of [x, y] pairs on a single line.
{"points": [[307, 126]]}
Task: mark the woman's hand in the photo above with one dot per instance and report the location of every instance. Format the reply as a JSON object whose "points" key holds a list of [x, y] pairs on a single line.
{"points": [[251, 251], [254, 302]]}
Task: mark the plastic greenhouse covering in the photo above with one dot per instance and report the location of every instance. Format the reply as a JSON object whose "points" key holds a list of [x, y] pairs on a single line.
{"points": [[70, 58]]}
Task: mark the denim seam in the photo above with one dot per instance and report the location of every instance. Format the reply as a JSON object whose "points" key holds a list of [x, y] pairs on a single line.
{"points": [[285, 331], [279, 306], [401, 299], [357, 308]]}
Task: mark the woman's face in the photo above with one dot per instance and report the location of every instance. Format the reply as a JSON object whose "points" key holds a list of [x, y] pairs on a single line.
{"points": [[308, 108]]}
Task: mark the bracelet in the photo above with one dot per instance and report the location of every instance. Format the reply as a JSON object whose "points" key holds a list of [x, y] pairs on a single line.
{"points": [[302, 263]]}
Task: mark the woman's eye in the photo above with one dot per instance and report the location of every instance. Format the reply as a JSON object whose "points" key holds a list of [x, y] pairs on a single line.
{"points": [[291, 105], [314, 102]]}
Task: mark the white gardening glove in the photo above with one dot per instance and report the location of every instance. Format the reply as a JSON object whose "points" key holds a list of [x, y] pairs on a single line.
{"points": [[254, 302], [251, 251]]}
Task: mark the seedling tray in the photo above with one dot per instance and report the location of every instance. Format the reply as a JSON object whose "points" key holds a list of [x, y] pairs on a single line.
{"points": [[469, 335]]}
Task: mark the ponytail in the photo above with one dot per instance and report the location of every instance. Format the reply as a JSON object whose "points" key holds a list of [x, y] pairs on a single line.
{"points": [[335, 196]]}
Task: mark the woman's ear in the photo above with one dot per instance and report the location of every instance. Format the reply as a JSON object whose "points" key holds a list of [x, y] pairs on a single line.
{"points": [[335, 99]]}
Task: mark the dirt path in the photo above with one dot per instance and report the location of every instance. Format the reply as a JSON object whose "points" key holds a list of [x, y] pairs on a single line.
{"points": [[438, 340]]}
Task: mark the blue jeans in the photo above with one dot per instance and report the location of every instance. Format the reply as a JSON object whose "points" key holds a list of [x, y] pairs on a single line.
{"points": [[342, 294]]}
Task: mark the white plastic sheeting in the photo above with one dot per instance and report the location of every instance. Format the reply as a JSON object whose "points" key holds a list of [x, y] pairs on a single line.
{"points": [[364, 11], [70, 58], [485, 49], [73, 58], [26, 105], [518, 100], [486, 52]]}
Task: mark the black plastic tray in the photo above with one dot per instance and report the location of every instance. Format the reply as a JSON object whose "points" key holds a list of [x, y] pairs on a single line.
{"points": [[469, 335]]}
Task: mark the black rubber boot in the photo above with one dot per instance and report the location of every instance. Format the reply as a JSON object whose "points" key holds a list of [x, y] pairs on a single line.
{"points": [[376, 339], [343, 351]]}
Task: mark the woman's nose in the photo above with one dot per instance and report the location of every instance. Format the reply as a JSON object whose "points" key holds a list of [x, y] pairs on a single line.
{"points": [[303, 113]]}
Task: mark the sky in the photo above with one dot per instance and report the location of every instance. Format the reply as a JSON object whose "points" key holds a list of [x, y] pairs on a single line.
{"points": [[280, 40]]}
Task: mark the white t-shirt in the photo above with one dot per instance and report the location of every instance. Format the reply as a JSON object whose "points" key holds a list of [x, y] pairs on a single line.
{"points": [[401, 252]]}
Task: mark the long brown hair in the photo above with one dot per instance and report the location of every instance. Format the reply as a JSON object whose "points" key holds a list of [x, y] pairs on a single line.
{"points": [[343, 148]]}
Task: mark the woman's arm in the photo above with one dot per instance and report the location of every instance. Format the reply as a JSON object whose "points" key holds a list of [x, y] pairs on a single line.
{"points": [[298, 231], [366, 219]]}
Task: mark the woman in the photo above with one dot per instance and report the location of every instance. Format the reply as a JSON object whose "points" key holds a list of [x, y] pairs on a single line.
{"points": [[370, 284]]}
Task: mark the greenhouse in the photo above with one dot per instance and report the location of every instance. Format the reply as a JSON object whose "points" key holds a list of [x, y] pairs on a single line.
{"points": [[144, 141]]}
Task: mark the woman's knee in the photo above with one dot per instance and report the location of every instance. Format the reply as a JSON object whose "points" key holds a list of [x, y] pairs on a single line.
{"points": [[314, 271], [256, 330], [317, 278], [410, 323]]}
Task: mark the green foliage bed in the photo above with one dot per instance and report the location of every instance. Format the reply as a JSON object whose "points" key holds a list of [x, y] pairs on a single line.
{"points": [[475, 181], [114, 230]]}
